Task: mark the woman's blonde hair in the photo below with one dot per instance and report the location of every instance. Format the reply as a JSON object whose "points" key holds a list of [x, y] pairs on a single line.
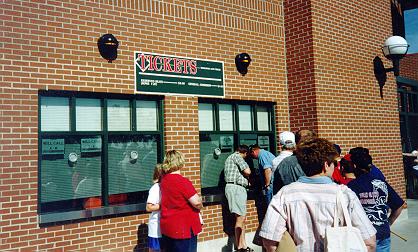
{"points": [[173, 161], [158, 173]]}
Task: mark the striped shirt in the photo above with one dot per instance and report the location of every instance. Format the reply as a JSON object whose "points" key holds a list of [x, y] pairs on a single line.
{"points": [[306, 209], [234, 165]]}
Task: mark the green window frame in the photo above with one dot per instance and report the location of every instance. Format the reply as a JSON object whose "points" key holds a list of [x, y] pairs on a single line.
{"points": [[91, 169], [226, 138]]}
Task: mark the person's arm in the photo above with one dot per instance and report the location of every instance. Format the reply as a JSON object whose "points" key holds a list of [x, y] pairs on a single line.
{"points": [[243, 166], [269, 245], [394, 215], [395, 203], [267, 176], [154, 199], [246, 172], [152, 207], [371, 244], [196, 201]]}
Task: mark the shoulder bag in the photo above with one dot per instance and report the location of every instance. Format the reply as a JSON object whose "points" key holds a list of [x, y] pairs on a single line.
{"points": [[344, 238]]}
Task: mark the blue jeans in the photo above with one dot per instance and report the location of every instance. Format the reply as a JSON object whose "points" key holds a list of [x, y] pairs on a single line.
{"points": [[268, 194], [383, 245]]}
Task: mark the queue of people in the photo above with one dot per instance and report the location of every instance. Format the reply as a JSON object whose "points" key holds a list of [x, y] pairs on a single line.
{"points": [[300, 188]]}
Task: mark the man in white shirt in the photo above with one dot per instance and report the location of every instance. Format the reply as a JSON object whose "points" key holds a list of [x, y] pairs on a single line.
{"points": [[288, 145]]}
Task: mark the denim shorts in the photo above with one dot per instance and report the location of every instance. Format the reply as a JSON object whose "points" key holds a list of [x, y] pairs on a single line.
{"points": [[154, 243]]}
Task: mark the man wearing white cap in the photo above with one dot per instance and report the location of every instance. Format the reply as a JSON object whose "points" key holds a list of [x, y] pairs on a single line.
{"points": [[288, 145], [289, 169]]}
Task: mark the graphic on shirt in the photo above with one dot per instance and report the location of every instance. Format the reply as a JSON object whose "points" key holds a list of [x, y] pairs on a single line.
{"points": [[375, 202]]}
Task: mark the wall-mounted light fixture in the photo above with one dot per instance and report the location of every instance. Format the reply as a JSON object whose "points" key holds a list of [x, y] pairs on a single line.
{"points": [[108, 47], [394, 49], [242, 61]]}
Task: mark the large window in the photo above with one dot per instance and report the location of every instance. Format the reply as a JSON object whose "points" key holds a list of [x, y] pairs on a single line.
{"points": [[408, 113], [97, 153], [223, 125]]}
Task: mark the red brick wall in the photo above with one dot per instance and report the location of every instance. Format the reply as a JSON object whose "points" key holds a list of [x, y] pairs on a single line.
{"points": [[52, 45], [409, 66], [346, 37], [300, 65]]}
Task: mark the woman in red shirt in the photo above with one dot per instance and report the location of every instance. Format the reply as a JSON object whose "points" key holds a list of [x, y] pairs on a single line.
{"points": [[180, 206]]}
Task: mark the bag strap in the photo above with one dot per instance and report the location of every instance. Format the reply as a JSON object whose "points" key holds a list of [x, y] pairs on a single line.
{"points": [[340, 201]]}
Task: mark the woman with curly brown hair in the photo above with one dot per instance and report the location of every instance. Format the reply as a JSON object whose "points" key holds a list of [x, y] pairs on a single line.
{"points": [[306, 208]]}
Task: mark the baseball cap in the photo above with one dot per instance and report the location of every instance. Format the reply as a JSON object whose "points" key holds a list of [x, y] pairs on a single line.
{"points": [[287, 139]]}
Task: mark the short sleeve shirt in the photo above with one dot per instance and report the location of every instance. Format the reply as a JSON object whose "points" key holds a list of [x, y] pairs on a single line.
{"points": [[306, 208], [265, 159], [289, 171], [178, 217], [154, 197], [234, 165], [376, 196]]}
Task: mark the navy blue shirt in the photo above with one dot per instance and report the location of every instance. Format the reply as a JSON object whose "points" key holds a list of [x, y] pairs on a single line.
{"points": [[376, 196]]}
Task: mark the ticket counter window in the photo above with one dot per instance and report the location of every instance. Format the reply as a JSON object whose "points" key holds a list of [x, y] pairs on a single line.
{"points": [[96, 154], [131, 166], [223, 125]]}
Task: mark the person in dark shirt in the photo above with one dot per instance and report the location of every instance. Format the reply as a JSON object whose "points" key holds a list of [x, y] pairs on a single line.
{"points": [[377, 198], [374, 171], [289, 170]]}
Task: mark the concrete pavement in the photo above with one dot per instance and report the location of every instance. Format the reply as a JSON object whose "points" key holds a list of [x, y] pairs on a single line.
{"points": [[407, 227]]}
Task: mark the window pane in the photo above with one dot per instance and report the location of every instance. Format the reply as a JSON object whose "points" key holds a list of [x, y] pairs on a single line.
{"points": [[211, 164], [412, 102], [245, 120], [132, 160], [264, 142], [263, 119], [146, 115], [69, 186], [55, 114], [205, 117], [226, 121], [118, 115], [401, 101], [88, 115]]}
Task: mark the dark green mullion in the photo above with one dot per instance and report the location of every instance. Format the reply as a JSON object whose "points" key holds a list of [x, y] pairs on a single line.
{"points": [[215, 119], [403, 97], [39, 154], [237, 135], [133, 115], [273, 127], [65, 134], [105, 173], [130, 133], [72, 114], [254, 117], [161, 148]]}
